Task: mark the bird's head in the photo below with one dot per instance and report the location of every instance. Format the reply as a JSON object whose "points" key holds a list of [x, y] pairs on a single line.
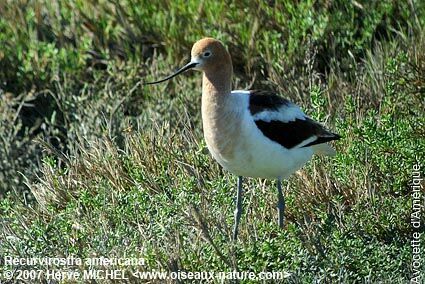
{"points": [[207, 55]]}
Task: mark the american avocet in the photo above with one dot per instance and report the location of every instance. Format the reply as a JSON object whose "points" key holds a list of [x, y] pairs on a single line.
{"points": [[252, 133]]}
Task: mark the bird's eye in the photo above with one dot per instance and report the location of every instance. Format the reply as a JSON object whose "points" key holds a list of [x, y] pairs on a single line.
{"points": [[207, 54]]}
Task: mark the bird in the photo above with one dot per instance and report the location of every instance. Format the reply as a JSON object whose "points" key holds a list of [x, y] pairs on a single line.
{"points": [[252, 133]]}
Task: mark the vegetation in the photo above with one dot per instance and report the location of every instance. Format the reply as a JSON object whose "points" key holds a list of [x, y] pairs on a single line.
{"points": [[94, 163]]}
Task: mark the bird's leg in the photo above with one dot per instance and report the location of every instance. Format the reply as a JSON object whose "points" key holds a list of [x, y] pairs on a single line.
{"points": [[238, 210], [280, 203]]}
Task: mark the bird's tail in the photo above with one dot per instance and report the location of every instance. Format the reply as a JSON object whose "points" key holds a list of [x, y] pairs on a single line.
{"points": [[324, 149]]}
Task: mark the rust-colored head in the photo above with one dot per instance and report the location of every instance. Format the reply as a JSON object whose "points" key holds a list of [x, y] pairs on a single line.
{"points": [[208, 55]]}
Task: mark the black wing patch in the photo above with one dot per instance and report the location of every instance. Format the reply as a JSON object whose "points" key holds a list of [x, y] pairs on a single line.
{"points": [[260, 100], [292, 133], [287, 133]]}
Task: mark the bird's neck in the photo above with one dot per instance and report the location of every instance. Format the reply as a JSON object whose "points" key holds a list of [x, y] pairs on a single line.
{"points": [[216, 86], [219, 117]]}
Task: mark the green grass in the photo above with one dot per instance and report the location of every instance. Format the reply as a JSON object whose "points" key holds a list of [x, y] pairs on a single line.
{"points": [[93, 163]]}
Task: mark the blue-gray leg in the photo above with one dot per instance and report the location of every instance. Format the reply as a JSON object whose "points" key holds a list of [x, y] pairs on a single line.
{"points": [[280, 203], [238, 210]]}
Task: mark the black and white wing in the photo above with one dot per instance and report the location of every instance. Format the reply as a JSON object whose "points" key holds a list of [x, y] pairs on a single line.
{"points": [[285, 123]]}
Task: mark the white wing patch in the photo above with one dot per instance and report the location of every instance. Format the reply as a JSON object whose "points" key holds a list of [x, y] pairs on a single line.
{"points": [[241, 92], [307, 141], [285, 113]]}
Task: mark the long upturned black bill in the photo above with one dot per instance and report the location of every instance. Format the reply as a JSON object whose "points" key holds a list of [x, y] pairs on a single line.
{"points": [[181, 70]]}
